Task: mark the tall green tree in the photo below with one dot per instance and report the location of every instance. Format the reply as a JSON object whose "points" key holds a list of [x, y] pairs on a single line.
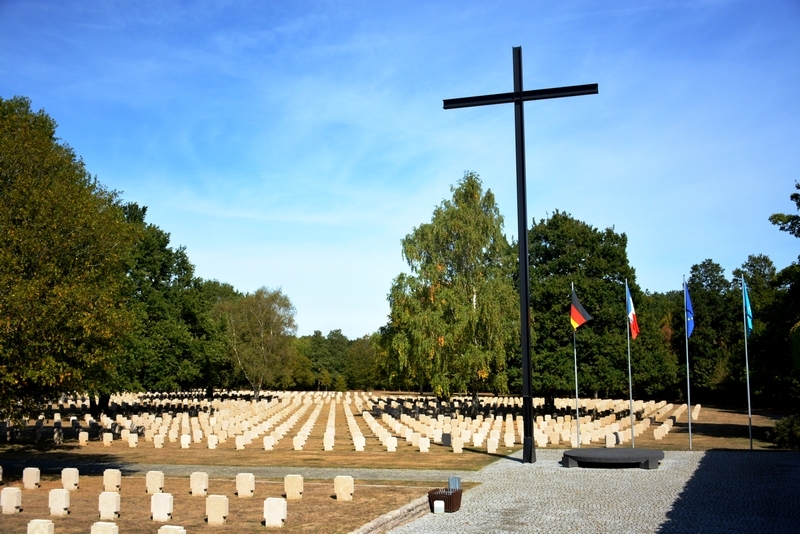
{"points": [[717, 330], [454, 317], [784, 327], [64, 247], [176, 344], [259, 333], [563, 251]]}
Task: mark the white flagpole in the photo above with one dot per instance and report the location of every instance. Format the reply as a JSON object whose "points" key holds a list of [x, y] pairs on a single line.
{"points": [[575, 356], [686, 333], [747, 364], [630, 380]]}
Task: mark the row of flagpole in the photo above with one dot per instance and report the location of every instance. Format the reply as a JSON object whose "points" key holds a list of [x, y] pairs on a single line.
{"points": [[579, 316]]}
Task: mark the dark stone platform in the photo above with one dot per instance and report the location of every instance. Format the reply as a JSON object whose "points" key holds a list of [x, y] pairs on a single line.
{"points": [[643, 458]]}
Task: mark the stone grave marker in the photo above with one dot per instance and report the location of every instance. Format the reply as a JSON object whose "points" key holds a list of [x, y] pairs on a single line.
{"points": [[109, 505], [104, 527], [293, 486], [58, 501], [343, 487], [154, 481], [198, 483], [112, 479], [69, 478], [216, 509], [41, 526], [161, 507], [11, 500], [245, 485], [274, 512], [30, 478]]}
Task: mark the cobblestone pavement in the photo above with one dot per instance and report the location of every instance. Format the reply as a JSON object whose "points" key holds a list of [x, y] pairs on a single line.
{"points": [[703, 492]]}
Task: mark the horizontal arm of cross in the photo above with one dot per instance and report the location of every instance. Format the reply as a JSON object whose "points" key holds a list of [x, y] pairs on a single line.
{"points": [[535, 94]]}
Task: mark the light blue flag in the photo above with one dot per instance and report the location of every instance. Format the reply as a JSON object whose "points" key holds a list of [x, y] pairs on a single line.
{"points": [[748, 312], [689, 312]]}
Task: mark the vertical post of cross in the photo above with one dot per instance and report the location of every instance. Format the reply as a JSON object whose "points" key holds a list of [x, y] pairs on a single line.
{"points": [[518, 97], [528, 449]]}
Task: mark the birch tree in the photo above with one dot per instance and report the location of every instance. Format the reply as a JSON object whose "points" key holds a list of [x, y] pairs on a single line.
{"points": [[455, 315]]}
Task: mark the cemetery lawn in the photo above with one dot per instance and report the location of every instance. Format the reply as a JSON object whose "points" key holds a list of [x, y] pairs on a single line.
{"points": [[715, 428], [317, 511], [313, 454]]}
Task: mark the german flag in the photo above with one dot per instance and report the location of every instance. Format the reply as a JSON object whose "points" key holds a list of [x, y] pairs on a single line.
{"points": [[577, 315]]}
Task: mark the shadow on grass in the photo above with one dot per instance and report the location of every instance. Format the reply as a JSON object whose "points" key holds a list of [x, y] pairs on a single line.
{"points": [[52, 459], [739, 491]]}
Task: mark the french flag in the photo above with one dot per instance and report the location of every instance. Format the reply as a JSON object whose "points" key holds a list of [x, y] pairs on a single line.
{"points": [[631, 313]]}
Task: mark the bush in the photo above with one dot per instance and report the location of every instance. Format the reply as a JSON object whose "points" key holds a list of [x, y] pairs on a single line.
{"points": [[787, 432]]}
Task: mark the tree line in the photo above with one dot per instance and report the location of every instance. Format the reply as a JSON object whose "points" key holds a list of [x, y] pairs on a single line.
{"points": [[453, 325], [95, 299]]}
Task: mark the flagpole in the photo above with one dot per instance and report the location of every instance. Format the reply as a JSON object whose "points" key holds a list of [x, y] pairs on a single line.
{"points": [[746, 362], [686, 333], [630, 379], [575, 357]]}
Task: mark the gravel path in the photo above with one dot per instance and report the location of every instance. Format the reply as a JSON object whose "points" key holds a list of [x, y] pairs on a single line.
{"points": [[704, 492]]}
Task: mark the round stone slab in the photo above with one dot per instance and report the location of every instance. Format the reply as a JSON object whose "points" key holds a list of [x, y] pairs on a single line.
{"points": [[643, 458]]}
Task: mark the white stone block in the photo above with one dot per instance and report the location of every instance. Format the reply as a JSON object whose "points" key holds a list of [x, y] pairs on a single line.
{"points": [[186, 440], [58, 501], [171, 529], [112, 479], [154, 481], [161, 507], [83, 438], [41, 526], [70, 478], [133, 440], [245, 485], [274, 512], [216, 509], [11, 500], [343, 487], [109, 505], [269, 443], [293, 486], [108, 439], [104, 527], [359, 442], [30, 478], [458, 445], [198, 483], [491, 445], [213, 441], [438, 507], [424, 444]]}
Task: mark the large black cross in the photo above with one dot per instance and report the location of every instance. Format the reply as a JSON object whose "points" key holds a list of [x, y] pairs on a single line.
{"points": [[518, 96]]}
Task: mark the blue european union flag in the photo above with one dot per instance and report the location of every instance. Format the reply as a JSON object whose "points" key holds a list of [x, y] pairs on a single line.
{"points": [[689, 312]]}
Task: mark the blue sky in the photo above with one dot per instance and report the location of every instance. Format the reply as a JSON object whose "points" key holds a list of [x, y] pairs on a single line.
{"points": [[294, 144]]}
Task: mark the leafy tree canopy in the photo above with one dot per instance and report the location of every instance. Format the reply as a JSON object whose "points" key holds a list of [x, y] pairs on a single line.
{"points": [[453, 318], [64, 247]]}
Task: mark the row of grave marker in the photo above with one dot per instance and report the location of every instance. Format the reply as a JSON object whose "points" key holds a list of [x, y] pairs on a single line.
{"points": [[161, 504]]}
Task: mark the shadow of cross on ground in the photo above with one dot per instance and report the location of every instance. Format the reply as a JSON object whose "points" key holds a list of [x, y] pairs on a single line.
{"points": [[739, 491]]}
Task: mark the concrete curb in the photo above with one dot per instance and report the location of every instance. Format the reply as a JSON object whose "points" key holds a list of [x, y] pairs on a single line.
{"points": [[405, 514]]}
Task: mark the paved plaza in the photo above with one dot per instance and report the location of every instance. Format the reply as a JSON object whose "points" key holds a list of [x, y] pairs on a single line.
{"points": [[691, 492]]}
